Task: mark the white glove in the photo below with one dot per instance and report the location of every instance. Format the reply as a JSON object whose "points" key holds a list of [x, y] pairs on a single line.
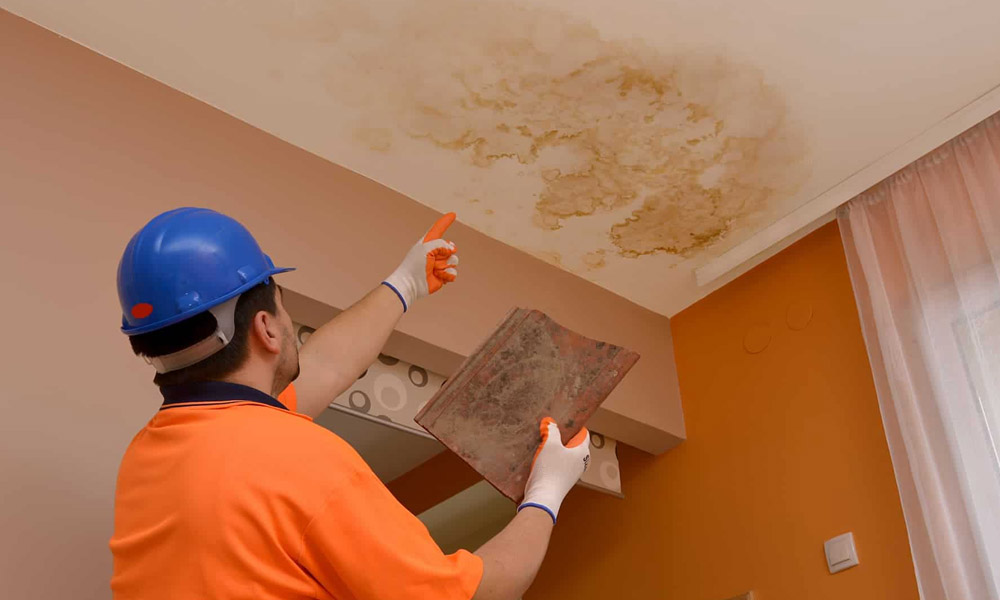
{"points": [[428, 265], [556, 469]]}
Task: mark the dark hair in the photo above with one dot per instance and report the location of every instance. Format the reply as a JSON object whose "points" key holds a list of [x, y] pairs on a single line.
{"points": [[190, 331]]}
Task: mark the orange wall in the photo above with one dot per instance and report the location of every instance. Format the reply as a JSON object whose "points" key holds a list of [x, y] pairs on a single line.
{"points": [[785, 449]]}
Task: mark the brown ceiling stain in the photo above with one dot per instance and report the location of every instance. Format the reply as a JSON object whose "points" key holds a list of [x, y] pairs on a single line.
{"points": [[692, 146], [375, 138], [636, 137], [594, 260]]}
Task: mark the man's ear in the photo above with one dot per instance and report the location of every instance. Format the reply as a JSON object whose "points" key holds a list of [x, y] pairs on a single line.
{"points": [[266, 330]]}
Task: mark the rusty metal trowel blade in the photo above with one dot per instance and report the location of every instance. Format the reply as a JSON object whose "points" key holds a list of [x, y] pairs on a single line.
{"points": [[489, 411]]}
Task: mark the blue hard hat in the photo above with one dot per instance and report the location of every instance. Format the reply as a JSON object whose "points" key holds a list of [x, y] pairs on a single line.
{"points": [[184, 262]]}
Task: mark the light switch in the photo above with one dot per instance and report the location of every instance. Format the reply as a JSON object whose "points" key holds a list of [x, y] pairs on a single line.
{"points": [[841, 553], [838, 553]]}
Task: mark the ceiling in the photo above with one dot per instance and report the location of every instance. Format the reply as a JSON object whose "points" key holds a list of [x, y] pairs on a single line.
{"points": [[634, 143]]}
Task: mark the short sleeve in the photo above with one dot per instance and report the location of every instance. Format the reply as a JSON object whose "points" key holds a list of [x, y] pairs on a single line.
{"points": [[288, 398], [365, 545]]}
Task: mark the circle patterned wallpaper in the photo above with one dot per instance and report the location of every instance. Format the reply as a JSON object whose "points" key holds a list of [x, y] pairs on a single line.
{"points": [[394, 390]]}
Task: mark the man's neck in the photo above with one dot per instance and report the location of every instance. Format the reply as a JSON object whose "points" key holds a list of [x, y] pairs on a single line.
{"points": [[258, 381]]}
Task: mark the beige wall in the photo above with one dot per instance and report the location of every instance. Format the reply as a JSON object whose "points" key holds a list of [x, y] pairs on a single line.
{"points": [[90, 150]]}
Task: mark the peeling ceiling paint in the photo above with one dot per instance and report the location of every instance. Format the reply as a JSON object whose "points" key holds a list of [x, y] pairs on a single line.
{"points": [[628, 142]]}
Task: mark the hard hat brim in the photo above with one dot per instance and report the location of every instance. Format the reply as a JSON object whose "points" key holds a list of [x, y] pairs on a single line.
{"points": [[147, 327]]}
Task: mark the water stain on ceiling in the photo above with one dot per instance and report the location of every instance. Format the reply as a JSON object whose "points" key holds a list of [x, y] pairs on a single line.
{"points": [[684, 148], [629, 142]]}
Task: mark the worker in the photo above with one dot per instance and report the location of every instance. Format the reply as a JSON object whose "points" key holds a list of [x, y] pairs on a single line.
{"points": [[231, 491]]}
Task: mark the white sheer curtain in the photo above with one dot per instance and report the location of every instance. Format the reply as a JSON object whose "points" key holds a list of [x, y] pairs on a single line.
{"points": [[924, 254]]}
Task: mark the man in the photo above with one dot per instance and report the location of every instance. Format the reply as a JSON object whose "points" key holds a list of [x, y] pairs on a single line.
{"points": [[230, 491]]}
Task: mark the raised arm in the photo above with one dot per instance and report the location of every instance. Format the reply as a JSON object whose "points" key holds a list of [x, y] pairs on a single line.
{"points": [[339, 351]]}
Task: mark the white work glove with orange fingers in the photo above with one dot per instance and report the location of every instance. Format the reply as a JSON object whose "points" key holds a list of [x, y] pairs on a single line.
{"points": [[429, 264], [556, 468]]}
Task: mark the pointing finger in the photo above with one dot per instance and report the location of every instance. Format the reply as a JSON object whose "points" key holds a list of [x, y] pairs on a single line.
{"points": [[440, 226]]}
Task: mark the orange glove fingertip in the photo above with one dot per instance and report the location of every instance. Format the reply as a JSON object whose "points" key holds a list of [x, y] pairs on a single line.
{"points": [[440, 226], [579, 438], [544, 430]]}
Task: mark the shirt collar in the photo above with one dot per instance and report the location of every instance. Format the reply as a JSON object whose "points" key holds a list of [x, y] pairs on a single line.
{"points": [[206, 393]]}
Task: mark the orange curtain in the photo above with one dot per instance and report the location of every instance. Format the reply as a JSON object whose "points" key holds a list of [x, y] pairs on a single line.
{"points": [[924, 254]]}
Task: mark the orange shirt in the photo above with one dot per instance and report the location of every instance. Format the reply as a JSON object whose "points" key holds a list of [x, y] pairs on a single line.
{"points": [[228, 494]]}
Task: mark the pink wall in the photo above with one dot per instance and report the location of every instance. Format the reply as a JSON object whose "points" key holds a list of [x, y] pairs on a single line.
{"points": [[90, 151]]}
